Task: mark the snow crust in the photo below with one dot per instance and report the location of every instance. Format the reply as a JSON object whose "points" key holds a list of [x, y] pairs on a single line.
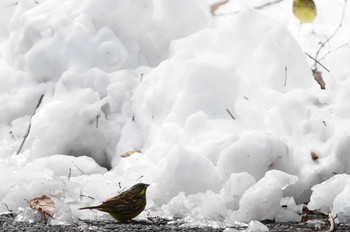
{"points": [[224, 109]]}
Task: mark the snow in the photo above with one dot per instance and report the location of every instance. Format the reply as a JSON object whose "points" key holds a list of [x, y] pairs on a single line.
{"points": [[256, 226], [262, 200], [224, 109]]}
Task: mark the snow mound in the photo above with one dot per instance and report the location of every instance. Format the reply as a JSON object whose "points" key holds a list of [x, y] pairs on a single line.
{"points": [[221, 115]]}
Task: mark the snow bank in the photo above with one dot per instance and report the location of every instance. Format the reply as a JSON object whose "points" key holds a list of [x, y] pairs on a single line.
{"points": [[223, 111]]}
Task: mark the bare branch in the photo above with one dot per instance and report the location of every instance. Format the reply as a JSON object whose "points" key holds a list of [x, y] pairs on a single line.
{"points": [[30, 124], [82, 195], [316, 61], [78, 167], [334, 33], [229, 112], [139, 178], [267, 4], [330, 51], [256, 7]]}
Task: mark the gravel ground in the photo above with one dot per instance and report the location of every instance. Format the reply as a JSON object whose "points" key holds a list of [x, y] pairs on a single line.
{"points": [[153, 224]]}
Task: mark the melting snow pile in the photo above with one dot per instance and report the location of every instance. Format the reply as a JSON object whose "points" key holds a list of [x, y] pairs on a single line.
{"points": [[224, 109]]}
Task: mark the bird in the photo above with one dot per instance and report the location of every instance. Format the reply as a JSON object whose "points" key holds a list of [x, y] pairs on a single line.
{"points": [[126, 205], [304, 10]]}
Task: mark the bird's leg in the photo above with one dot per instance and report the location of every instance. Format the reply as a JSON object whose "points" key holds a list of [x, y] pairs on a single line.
{"points": [[313, 29], [299, 28]]}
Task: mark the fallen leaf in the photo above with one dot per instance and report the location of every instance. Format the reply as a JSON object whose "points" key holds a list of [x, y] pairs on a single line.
{"points": [[319, 79], [215, 6], [314, 156], [129, 153], [44, 205]]}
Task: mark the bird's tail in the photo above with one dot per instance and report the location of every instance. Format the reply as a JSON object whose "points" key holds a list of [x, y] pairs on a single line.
{"points": [[90, 207]]}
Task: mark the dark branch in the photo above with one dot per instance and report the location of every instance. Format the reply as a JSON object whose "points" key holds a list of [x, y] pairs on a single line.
{"points": [[316, 61], [30, 124], [229, 112]]}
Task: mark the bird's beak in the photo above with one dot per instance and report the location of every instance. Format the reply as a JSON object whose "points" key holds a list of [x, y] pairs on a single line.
{"points": [[147, 185]]}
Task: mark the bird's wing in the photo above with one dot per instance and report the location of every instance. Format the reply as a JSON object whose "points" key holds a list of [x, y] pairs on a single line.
{"points": [[123, 202], [123, 198]]}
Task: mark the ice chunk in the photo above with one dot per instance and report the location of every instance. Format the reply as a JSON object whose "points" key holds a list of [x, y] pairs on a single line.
{"points": [[178, 166], [235, 187], [341, 204], [255, 226], [208, 206], [324, 193], [262, 200], [289, 211]]}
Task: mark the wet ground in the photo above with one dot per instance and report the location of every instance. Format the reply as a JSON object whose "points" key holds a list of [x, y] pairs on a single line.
{"points": [[153, 224]]}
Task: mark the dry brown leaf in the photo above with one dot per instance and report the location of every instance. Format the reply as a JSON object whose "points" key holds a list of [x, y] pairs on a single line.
{"points": [[314, 156], [129, 153], [319, 79], [44, 205], [308, 215], [215, 6]]}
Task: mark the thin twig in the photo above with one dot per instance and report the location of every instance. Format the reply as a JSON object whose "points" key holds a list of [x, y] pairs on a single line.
{"points": [[11, 4], [285, 76], [330, 51], [334, 33], [16, 3], [82, 195], [316, 61], [139, 178], [267, 4], [256, 8], [70, 173], [11, 133], [229, 112], [78, 167], [30, 124], [7, 207], [141, 77], [97, 117]]}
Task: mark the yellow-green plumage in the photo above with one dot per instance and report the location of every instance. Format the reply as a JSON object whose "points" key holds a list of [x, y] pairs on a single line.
{"points": [[126, 205], [304, 10]]}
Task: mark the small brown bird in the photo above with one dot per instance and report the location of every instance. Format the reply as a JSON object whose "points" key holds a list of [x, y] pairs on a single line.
{"points": [[126, 205]]}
